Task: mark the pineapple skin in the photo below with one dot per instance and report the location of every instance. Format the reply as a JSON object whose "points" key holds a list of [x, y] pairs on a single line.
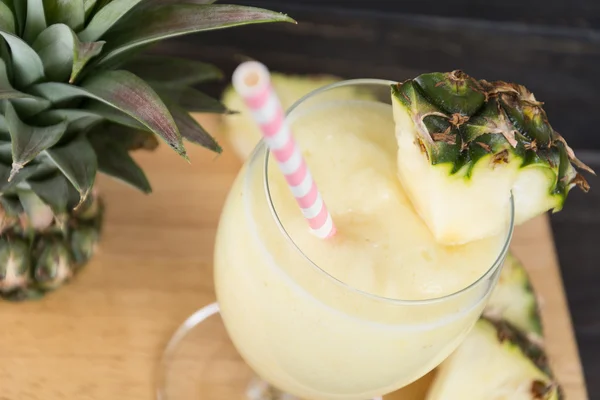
{"points": [[495, 362], [462, 139], [36, 261]]}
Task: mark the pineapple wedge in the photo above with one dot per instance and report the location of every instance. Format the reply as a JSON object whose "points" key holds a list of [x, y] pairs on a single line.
{"points": [[464, 145], [514, 300], [495, 362]]}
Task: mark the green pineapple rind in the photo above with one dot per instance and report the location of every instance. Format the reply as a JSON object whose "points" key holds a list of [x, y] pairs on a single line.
{"points": [[460, 121]]}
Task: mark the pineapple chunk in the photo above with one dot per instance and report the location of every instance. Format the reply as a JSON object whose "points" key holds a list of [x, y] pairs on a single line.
{"points": [[495, 362], [513, 299], [464, 146]]}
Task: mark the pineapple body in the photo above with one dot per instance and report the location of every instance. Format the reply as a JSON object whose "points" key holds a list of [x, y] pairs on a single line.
{"points": [[466, 146], [76, 97], [36, 259]]}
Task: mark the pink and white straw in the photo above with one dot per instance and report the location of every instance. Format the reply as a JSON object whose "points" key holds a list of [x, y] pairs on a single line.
{"points": [[252, 82]]}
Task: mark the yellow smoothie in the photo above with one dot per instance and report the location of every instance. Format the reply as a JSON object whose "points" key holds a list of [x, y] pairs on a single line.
{"points": [[349, 317]]}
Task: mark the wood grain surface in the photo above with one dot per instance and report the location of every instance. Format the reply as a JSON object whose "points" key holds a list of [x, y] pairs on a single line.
{"points": [[102, 336]]}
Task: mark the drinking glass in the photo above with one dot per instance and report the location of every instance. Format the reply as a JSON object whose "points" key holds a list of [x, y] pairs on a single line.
{"points": [[284, 319]]}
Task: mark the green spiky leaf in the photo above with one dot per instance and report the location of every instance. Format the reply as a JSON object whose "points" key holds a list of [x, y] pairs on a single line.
{"points": [[53, 191], [114, 115], [88, 7], [69, 12], [7, 184], [191, 130], [25, 60], [114, 160], [168, 20], [173, 71], [65, 114], [104, 19], [126, 92], [84, 52], [129, 138], [77, 161], [19, 8], [36, 20], [28, 141], [191, 99], [11, 204], [6, 89], [30, 105], [62, 54], [7, 19], [7, 58]]}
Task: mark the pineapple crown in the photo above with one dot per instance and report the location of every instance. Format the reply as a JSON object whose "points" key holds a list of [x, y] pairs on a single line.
{"points": [[76, 96]]}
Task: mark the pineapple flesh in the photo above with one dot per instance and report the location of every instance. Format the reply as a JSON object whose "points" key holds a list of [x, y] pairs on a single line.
{"points": [[514, 300], [76, 98], [495, 362], [466, 145]]}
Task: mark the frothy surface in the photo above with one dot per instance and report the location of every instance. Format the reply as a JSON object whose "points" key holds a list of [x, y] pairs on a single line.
{"points": [[382, 246]]}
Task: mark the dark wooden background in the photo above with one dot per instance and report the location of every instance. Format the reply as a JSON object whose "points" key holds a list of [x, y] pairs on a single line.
{"points": [[550, 46]]}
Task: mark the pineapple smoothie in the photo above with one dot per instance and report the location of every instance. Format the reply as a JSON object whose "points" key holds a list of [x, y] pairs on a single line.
{"points": [[350, 317]]}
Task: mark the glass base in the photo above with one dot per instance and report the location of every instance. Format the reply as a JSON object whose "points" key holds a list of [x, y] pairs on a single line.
{"points": [[200, 362]]}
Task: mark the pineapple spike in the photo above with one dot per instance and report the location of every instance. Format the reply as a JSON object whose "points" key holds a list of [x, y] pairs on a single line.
{"points": [[16, 167]]}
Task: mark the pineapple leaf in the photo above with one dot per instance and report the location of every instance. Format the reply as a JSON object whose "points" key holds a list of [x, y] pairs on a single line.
{"points": [[114, 115], [65, 114], [7, 19], [191, 99], [28, 141], [126, 92], [88, 7], [56, 48], [30, 105], [172, 71], [6, 183], [104, 19], [166, 20], [84, 52], [129, 138], [191, 130], [25, 60], [77, 161], [7, 58], [69, 12], [53, 191], [12, 205], [6, 89], [36, 20], [40, 214], [62, 54], [114, 160], [19, 8]]}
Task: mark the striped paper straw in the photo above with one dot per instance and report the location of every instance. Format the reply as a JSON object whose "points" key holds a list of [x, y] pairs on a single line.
{"points": [[252, 82]]}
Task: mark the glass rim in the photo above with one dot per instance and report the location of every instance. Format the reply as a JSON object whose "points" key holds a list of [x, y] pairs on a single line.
{"points": [[489, 272]]}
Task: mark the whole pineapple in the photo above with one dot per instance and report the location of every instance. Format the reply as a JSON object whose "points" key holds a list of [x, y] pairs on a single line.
{"points": [[76, 98]]}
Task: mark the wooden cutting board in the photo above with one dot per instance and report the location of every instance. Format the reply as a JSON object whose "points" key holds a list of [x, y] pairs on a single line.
{"points": [[102, 336]]}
